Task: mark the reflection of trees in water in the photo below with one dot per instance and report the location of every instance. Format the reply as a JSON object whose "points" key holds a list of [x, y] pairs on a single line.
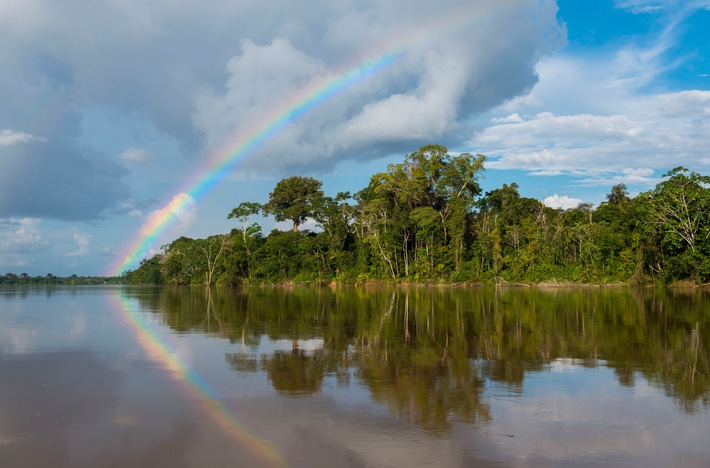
{"points": [[294, 372], [242, 362], [427, 353], [415, 359]]}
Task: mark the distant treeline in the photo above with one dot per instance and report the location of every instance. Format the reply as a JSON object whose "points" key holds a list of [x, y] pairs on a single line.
{"points": [[427, 220], [24, 278]]}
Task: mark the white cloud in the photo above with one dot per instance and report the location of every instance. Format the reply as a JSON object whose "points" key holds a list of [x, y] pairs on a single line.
{"points": [[178, 213], [664, 131], [236, 67], [137, 155], [11, 137], [436, 82], [19, 238], [587, 117], [135, 208], [643, 176], [83, 241], [656, 6], [564, 202], [593, 116], [512, 118], [309, 224], [424, 112], [21, 235], [10, 260], [259, 81]]}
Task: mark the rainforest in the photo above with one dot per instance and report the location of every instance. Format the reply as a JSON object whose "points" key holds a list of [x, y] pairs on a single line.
{"points": [[426, 220]]}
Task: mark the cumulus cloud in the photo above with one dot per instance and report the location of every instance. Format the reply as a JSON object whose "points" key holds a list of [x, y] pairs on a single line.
{"points": [[594, 116], [136, 208], [21, 235], [259, 81], [665, 131], [137, 156], [55, 68], [178, 213], [309, 224], [83, 241], [563, 202], [11, 137], [426, 93], [641, 176], [59, 180]]}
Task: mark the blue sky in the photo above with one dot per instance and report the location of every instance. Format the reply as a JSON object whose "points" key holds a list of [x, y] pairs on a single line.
{"points": [[110, 110]]}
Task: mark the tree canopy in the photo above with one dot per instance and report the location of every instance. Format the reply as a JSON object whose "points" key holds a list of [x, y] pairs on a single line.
{"points": [[426, 220], [295, 198]]}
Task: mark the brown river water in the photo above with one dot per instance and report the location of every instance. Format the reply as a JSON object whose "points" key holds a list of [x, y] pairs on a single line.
{"points": [[311, 377]]}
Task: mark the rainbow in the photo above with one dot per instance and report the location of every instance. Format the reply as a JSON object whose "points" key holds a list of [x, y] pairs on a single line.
{"points": [[207, 398], [245, 143], [240, 147]]}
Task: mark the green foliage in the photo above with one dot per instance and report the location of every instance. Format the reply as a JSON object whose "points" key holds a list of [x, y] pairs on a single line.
{"points": [[149, 272], [425, 220], [295, 199], [50, 279]]}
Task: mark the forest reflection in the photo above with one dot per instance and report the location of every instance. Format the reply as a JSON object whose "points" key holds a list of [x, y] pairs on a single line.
{"points": [[428, 354]]}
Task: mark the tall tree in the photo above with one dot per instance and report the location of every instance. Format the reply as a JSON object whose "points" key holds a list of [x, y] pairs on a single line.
{"points": [[682, 205], [212, 248], [296, 199], [243, 212], [618, 194], [335, 217]]}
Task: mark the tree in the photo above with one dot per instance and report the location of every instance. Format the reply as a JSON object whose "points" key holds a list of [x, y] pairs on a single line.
{"points": [[243, 212], [335, 217], [295, 199], [424, 219], [148, 273], [212, 249], [181, 261], [618, 194], [682, 205], [421, 207]]}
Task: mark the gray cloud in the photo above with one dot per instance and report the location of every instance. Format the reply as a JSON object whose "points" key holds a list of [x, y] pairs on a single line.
{"points": [[10, 137], [83, 243], [137, 156], [656, 133], [201, 72], [597, 118], [59, 180], [21, 236], [448, 68]]}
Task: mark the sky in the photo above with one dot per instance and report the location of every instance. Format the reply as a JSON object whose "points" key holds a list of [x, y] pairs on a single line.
{"points": [[125, 124]]}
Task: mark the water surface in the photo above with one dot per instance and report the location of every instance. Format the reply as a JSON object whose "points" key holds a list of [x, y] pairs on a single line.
{"points": [[188, 377]]}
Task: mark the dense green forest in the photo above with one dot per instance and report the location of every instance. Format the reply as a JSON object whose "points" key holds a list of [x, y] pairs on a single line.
{"points": [[24, 278], [427, 220]]}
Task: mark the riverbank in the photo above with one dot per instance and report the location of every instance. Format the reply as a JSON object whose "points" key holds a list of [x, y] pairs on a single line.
{"points": [[548, 284]]}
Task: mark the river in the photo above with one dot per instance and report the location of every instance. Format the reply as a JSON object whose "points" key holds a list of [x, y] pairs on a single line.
{"points": [[351, 377]]}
